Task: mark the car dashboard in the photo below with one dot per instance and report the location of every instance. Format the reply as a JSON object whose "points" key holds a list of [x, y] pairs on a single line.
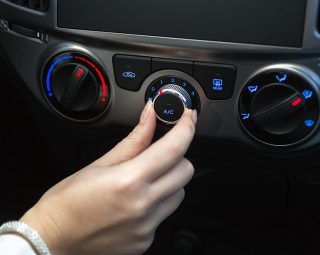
{"points": [[85, 70]]}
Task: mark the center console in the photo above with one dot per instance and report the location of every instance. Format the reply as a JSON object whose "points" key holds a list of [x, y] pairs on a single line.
{"points": [[249, 68]]}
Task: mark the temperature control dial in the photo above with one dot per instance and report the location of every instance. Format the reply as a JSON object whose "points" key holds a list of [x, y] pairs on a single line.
{"points": [[279, 107], [76, 86], [170, 96]]}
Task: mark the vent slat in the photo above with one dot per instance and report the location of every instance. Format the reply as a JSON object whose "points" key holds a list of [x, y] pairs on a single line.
{"points": [[37, 5]]}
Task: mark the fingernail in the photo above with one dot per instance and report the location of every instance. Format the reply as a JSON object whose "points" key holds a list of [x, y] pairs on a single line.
{"points": [[194, 116], [146, 111]]}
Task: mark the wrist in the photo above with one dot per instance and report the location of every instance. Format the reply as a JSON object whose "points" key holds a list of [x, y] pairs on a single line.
{"points": [[46, 228]]}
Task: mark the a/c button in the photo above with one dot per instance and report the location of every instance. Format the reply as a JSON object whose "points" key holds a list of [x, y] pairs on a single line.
{"points": [[169, 108]]}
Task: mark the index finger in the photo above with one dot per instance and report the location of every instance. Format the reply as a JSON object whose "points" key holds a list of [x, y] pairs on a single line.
{"points": [[167, 151]]}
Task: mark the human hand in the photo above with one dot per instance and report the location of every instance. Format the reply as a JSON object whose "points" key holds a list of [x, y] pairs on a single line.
{"points": [[114, 205]]}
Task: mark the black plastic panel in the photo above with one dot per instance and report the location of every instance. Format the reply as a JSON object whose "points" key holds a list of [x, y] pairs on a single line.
{"points": [[272, 22], [37, 5], [20, 15]]}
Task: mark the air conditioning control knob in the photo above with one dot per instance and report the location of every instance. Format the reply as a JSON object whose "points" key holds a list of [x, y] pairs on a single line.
{"points": [[170, 102]]}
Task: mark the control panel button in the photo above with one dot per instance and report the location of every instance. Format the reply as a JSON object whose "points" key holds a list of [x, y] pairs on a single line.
{"points": [[279, 107], [217, 81], [131, 71], [170, 102], [169, 108], [180, 65]]}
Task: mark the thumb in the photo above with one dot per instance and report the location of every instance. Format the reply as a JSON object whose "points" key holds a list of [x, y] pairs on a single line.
{"points": [[136, 142]]}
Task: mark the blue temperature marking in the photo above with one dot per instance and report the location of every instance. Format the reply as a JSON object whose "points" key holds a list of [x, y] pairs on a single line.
{"points": [[184, 84], [153, 89], [51, 70], [193, 93], [173, 80]]}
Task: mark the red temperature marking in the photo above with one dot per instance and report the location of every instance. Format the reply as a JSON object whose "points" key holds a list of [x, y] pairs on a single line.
{"points": [[104, 85]]}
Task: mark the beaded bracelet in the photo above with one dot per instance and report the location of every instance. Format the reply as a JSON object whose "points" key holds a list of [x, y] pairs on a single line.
{"points": [[32, 236]]}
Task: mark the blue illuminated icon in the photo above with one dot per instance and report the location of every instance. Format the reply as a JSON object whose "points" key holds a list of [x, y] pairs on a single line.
{"points": [[184, 84], [173, 80], [193, 93], [217, 84], [153, 89], [161, 82], [253, 89], [168, 112], [307, 94], [245, 116], [130, 75], [309, 123], [282, 78]]}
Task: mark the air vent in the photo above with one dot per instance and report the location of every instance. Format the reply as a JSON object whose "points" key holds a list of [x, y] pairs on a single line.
{"points": [[37, 5]]}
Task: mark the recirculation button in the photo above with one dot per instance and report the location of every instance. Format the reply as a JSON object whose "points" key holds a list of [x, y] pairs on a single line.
{"points": [[131, 71]]}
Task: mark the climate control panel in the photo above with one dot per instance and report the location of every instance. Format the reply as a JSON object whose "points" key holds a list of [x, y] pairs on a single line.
{"points": [[280, 106]]}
